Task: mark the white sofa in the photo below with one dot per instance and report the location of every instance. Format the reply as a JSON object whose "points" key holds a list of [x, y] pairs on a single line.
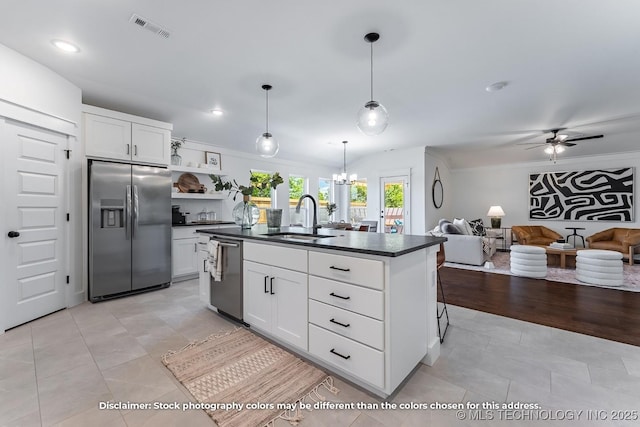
{"points": [[466, 248]]}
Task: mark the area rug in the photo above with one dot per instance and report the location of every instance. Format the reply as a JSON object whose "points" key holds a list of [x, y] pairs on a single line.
{"points": [[242, 380], [555, 274]]}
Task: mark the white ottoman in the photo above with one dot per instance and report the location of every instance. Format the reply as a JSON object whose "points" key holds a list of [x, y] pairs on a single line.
{"points": [[599, 267], [528, 261]]}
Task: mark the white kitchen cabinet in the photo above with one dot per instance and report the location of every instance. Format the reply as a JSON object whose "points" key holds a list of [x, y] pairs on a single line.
{"points": [[107, 138], [204, 277], [184, 258], [118, 136], [275, 300], [150, 144], [368, 318]]}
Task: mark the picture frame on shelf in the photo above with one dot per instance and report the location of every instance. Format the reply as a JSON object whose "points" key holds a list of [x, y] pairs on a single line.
{"points": [[213, 160]]}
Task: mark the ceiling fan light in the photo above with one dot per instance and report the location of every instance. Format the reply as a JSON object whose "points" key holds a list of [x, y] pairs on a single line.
{"points": [[549, 150], [559, 148]]}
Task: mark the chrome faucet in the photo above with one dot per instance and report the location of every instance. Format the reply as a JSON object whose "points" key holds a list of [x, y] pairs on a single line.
{"points": [[315, 210]]}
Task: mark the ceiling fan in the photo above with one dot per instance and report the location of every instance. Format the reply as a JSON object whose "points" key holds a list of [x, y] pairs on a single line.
{"points": [[557, 143]]}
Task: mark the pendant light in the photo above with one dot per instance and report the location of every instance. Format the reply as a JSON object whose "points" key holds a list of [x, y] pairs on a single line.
{"points": [[373, 118], [266, 144], [341, 179]]}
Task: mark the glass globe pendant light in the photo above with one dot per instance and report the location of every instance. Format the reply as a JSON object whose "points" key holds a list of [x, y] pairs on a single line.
{"points": [[373, 118], [266, 144]]}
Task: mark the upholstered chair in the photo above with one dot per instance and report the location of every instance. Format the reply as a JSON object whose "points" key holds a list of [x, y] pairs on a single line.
{"points": [[536, 235], [624, 240]]}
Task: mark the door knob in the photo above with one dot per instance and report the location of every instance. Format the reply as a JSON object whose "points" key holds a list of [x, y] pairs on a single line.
{"points": [[13, 234]]}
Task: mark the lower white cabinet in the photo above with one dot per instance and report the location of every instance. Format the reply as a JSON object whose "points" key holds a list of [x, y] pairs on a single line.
{"points": [[356, 359], [184, 257], [204, 277], [275, 302]]}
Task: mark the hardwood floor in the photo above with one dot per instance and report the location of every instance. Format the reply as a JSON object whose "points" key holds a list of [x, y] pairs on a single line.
{"points": [[604, 313]]}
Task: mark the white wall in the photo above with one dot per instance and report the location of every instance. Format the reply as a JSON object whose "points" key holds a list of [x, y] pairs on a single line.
{"points": [[478, 188], [387, 164], [237, 165], [433, 214], [25, 82]]}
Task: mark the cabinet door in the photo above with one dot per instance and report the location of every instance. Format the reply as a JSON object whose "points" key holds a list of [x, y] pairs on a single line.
{"points": [[204, 278], [289, 317], [184, 257], [107, 138], [150, 144], [257, 295]]}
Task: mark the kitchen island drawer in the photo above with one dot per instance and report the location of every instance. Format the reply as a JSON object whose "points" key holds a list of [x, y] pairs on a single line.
{"points": [[348, 324], [278, 256], [354, 298], [360, 271], [355, 358]]}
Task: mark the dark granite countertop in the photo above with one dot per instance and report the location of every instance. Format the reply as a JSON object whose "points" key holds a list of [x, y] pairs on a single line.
{"points": [[203, 224], [390, 245]]}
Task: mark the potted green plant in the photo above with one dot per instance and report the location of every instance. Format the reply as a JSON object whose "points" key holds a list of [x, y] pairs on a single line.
{"points": [[231, 186], [246, 213], [331, 208]]}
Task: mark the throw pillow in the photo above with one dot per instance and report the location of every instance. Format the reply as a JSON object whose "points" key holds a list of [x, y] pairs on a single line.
{"points": [[477, 227], [449, 228], [463, 225]]}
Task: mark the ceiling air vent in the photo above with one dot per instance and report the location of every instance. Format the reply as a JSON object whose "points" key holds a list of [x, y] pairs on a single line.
{"points": [[150, 26]]}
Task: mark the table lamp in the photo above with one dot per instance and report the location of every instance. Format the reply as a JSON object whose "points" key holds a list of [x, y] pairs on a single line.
{"points": [[495, 213]]}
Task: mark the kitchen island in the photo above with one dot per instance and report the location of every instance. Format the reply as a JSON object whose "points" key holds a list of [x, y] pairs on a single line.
{"points": [[360, 304]]}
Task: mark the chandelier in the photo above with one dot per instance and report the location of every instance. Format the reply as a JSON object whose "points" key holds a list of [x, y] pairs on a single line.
{"points": [[341, 178]]}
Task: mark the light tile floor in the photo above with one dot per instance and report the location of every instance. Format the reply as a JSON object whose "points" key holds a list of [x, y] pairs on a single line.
{"points": [[56, 370]]}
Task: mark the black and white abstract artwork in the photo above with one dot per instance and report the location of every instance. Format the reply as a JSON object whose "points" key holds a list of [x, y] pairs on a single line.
{"points": [[595, 195]]}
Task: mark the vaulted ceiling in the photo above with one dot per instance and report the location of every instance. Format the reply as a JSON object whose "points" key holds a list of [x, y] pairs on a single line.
{"points": [[569, 63]]}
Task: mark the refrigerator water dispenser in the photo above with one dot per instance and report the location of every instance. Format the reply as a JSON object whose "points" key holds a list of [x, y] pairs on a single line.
{"points": [[111, 213]]}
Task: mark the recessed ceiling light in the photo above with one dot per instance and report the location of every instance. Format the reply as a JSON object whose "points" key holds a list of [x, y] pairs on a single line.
{"points": [[65, 46], [496, 86], [217, 112]]}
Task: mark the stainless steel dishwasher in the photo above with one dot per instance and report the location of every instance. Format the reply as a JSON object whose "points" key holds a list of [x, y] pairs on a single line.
{"points": [[226, 295]]}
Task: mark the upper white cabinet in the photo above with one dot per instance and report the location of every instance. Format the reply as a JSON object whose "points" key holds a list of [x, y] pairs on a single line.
{"points": [[150, 144], [118, 136]]}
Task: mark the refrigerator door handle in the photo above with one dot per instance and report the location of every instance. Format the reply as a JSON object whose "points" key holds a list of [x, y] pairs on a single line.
{"points": [[134, 215], [127, 212]]}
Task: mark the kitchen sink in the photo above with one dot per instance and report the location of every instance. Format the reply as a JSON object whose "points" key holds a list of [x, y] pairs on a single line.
{"points": [[306, 237]]}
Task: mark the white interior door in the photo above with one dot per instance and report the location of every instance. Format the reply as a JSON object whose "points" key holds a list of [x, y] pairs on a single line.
{"points": [[34, 162], [394, 197]]}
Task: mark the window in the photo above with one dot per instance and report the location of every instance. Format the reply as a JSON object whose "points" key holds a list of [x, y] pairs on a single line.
{"points": [[262, 197], [325, 197], [297, 187], [358, 210]]}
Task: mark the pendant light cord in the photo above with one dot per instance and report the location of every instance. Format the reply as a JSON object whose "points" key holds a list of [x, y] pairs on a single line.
{"points": [[267, 91], [344, 159], [371, 70]]}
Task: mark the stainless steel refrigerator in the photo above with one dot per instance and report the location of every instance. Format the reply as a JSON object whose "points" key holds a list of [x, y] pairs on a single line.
{"points": [[129, 229]]}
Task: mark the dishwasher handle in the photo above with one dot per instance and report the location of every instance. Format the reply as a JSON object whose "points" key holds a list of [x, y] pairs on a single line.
{"points": [[229, 245]]}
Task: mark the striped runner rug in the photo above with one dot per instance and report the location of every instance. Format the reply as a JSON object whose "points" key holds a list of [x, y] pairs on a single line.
{"points": [[242, 380]]}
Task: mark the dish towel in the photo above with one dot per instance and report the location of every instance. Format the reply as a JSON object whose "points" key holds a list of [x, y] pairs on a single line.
{"points": [[215, 260]]}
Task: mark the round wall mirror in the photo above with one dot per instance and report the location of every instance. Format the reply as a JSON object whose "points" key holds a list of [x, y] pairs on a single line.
{"points": [[437, 191]]}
